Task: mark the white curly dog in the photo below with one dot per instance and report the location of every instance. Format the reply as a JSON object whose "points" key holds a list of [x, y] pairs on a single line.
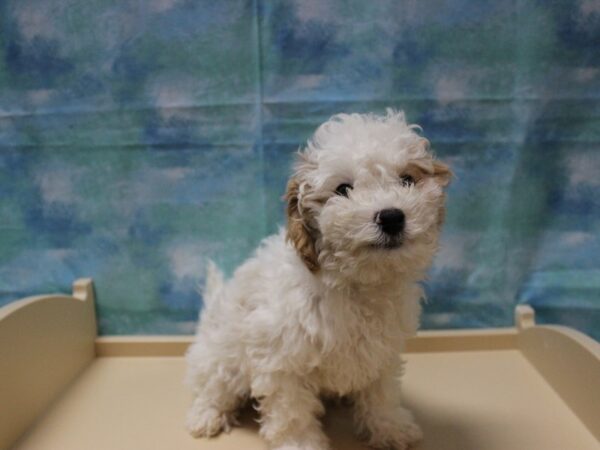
{"points": [[323, 308]]}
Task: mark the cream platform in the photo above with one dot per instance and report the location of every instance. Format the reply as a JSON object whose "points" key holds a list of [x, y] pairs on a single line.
{"points": [[62, 388]]}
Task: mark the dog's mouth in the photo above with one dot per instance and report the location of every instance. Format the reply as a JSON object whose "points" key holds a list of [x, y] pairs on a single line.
{"points": [[388, 243]]}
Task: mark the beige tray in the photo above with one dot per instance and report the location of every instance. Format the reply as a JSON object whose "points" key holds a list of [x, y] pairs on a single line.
{"points": [[62, 388]]}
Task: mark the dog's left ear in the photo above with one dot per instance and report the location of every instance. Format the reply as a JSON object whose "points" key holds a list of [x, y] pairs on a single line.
{"points": [[442, 173], [298, 232]]}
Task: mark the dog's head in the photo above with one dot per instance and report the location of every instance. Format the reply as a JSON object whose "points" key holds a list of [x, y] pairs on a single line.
{"points": [[366, 192]]}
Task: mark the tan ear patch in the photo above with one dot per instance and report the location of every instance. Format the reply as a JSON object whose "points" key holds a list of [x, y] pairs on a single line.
{"points": [[441, 216], [420, 168], [442, 172], [298, 232]]}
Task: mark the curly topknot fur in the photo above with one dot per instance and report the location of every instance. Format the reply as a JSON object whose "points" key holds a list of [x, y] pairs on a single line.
{"points": [[324, 307]]}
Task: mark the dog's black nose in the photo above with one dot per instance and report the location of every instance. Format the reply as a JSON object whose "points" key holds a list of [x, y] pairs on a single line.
{"points": [[391, 221]]}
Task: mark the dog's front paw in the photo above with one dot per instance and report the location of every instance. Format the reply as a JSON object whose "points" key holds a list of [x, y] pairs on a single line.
{"points": [[398, 433], [302, 446], [209, 422], [307, 440], [297, 447], [401, 437], [405, 435]]}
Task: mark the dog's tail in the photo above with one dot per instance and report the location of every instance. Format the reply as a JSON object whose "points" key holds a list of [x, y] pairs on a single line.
{"points": [[214, 284]]}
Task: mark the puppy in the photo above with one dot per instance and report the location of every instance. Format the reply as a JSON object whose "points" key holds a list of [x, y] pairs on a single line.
{"points": [[324, 307]]}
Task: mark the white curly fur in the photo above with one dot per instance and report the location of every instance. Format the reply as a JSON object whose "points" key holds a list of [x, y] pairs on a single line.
{"points": [[286, 334]]}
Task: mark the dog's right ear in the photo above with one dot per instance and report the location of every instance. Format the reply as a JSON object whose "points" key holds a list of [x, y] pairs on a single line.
{"points": [[442, 173], [298, 232]]}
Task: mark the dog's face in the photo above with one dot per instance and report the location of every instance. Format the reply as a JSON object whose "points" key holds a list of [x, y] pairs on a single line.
{"points": [[367, 192]]}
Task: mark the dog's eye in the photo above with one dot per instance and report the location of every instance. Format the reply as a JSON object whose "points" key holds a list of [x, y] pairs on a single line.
{"points": [[407, 180], [343, 189]]}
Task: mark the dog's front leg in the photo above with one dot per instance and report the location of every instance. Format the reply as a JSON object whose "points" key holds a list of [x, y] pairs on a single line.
{"points": [[379, 416], [290, 412]]}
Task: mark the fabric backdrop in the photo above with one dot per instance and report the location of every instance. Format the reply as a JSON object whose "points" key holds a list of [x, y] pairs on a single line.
{"points": [[139, 138]]}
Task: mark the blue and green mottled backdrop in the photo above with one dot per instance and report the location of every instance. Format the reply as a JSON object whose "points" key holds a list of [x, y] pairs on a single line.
{"points": [[139, 138]]}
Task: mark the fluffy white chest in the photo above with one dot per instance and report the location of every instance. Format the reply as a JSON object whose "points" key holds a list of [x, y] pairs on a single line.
{"points": [[357, 344]]}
